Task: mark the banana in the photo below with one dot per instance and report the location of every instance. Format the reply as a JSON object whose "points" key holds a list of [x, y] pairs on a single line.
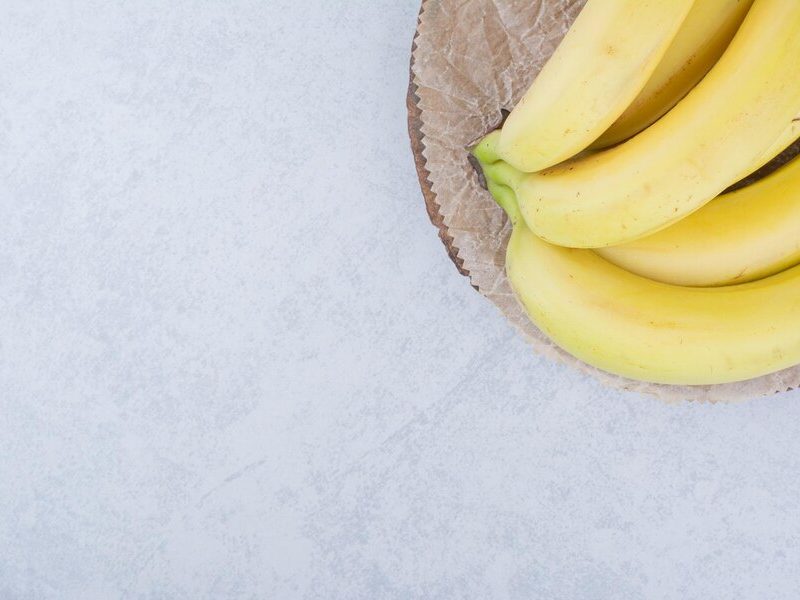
{"points": [[646, 330], [723, 129], [598, 69], [701, 40], [738, 237]]}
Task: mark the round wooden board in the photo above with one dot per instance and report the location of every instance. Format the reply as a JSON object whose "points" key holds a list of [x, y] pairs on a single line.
{"points": [[415, 124]]}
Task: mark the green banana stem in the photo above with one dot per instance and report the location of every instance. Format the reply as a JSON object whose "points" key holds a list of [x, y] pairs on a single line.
{"points": [[507, 199], [486, 150], [501, 178], [493, 166], [503, 173]]}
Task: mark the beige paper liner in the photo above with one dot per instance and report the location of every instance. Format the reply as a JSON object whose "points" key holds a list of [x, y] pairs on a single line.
{"points": [[471, 60]]}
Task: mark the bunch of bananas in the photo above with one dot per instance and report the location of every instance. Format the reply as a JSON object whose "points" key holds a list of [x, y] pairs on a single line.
{"points": [[612, 168]]}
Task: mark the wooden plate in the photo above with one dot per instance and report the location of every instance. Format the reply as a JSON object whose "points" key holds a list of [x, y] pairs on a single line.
{"points": [[757, 387]]}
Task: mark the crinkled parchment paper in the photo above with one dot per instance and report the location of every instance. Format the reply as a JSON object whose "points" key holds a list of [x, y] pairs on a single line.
{"points": [[473, 59]]}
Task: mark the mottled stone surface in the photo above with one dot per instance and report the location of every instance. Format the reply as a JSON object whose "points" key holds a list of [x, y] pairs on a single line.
{"points": [[236, 362]]}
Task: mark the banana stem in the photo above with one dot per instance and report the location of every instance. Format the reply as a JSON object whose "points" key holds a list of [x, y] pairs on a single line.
{"points": [[507, 199], [501, 178], [503, 173], [486, 150], [492, 165]]}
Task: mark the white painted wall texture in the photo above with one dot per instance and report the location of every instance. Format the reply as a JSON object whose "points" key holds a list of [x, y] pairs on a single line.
{"points": [[235, 361]]}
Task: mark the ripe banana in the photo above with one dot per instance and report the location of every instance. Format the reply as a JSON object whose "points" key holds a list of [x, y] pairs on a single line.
{"points": [[724, 128], [701, 40], [647, 330], [598, 69], [738, 237]]}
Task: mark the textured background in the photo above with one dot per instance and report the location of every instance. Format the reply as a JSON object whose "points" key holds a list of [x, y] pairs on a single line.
{"points": [[235, 361]]}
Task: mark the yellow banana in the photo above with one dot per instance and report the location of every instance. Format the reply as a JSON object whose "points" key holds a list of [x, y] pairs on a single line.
{"points": [[646, 330], [742, 236], [598, 69], [701, 40], [723, 129]]}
